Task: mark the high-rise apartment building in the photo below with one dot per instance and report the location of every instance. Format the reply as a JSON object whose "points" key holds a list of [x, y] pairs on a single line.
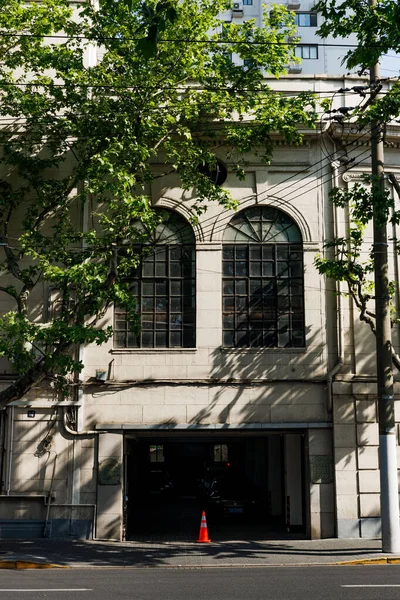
{"points": [[317, 56]]}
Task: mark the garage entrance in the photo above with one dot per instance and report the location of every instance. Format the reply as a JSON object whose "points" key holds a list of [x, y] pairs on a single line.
{"points": [[251, 486]]}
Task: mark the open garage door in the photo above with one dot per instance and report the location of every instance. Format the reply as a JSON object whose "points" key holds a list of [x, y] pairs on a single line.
{"points": [[251, 487]]}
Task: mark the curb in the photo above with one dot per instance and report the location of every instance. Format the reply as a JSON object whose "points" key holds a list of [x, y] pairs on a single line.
{"points": [[27, 564], [384, 560]]}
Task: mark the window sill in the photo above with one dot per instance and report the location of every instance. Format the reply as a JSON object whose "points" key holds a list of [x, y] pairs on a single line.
{"points": [[152, 350], [263, 350]]}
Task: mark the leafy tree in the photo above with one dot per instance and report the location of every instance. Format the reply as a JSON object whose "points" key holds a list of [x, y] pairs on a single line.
{"points": [[78, 137], [376, 30], [353, 263]]}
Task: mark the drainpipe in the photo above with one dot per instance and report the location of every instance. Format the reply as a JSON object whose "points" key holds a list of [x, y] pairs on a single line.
{"points": [[340, 336], [10, 448]]}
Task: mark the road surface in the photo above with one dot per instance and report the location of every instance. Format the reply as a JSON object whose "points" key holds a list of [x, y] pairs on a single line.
{"points": [[262, 583]]}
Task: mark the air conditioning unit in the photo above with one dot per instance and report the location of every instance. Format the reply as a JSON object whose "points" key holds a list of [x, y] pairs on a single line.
{"points": [[293, 5], [237, 9], [295, 69]]}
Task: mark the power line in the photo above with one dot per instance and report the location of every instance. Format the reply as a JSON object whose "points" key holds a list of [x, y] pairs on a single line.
{"points": [[182, 40]]}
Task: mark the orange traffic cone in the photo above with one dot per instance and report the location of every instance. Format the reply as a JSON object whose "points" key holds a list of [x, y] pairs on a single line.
{"points": [[203, 535]]}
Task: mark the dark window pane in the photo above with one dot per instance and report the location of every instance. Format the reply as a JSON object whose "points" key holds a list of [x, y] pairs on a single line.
{"points": [[283, 302], [176, 288], [255, 269], [161, 269], [161, 321], [119, 339], [148, 269], [270, 339], [148, 288], [241, 286], [282, 252], [147, 321], [161, 304], [132, 340], [255, 253], [161, 339], [241, 269], [282, 269], [296, 269], [241, 253], [176, 253], [228, 322], [228, 253], [240, 303], [227, 268], [189, 301], [176, 321], [268, 252], [147, 303], [188, 337], [242, 320], [176, 339], [229, 303], [175, 270], [242, 339], [268, 269], [229, 339], [255, 287], [160, 253], [147, 339], [228, 287], [283, 288], [161, 288], [256, 338], [176, 304]]}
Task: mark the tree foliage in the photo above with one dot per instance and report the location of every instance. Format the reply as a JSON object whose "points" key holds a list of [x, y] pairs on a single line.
{"points": [[79, 140], [375, 27]]}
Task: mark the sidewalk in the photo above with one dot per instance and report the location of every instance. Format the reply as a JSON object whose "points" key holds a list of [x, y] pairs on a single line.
{"points": [[144, 554]]}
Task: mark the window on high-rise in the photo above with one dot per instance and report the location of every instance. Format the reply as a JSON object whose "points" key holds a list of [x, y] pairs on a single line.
{"points": [[306, 19], [306, 52]]}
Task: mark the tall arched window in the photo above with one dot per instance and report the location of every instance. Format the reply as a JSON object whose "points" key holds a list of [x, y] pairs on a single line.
{"points": [[263, 284], [164, 284]]}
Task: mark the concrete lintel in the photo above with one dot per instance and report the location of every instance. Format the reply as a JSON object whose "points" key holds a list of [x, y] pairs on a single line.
{"points": [[211, 427]]}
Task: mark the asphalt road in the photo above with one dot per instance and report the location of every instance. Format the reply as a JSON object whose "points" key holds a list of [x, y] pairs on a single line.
{"points": [[264, 583]]}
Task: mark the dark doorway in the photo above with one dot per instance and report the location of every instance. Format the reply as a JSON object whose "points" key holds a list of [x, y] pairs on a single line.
{"points": [[239, 481]]}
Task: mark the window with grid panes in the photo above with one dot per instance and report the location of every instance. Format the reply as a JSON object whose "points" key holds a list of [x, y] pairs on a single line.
{"points": [[263, 283], [164, 285]]}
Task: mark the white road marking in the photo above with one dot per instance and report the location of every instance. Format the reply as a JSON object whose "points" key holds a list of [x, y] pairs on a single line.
{"points": [[378, 585], [47, 590]]}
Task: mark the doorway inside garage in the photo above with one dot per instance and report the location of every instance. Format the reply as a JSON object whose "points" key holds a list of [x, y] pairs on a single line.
{"points": [[251, 486]]}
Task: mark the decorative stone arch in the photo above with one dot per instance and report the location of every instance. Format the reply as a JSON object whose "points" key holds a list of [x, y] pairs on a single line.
{"points": [[298, 218], [183, 211]]}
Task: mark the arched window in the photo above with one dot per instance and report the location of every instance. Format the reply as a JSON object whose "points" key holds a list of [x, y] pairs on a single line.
{"points": [[263, 285], [164, 284]]}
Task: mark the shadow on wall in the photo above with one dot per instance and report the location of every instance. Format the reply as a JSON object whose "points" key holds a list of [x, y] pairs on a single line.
{"points": [[269, 386], [50, 471]]}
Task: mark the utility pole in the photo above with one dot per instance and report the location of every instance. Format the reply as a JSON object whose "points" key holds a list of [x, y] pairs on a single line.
{"points": [[384, 368]]}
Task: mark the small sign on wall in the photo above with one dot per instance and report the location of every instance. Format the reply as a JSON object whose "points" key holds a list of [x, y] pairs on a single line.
{"points": [[321, 469], [110, 471]]}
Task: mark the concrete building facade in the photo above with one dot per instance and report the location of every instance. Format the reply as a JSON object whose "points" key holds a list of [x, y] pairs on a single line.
{"points": [[286, 397], [247, 359]]}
